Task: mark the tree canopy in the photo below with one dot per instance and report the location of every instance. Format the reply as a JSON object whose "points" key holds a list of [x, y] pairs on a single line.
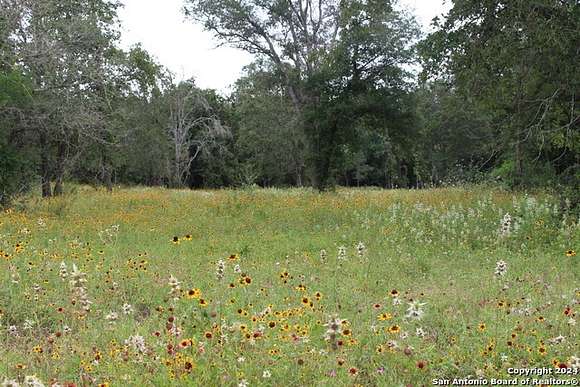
{"points": [[332, 98]]}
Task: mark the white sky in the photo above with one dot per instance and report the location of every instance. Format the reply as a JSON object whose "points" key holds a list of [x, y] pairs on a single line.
{"points": [[188, 51]]}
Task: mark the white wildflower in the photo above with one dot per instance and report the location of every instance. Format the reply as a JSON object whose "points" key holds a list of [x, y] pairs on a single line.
{"points": [[175, 330], [127, 309], [332, 330], [63, 272], [14, 275], [112, 317], [220, 270], [266, 374], [361, 249], [33, 381], [175, 291], [415, 310], [341, 253], [500, 268], [28, 324], [77, 283], [13, 330], [323, 255], [557, 340], [506, 225], [9, 383], [137, 343]]}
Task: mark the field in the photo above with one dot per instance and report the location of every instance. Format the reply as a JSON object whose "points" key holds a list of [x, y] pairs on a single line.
{"points": [[287, 287]]}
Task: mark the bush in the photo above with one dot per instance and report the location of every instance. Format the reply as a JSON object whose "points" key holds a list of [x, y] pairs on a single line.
{"points": [[16, 174]]}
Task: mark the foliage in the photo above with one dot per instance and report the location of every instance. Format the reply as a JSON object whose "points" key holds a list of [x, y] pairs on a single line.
{"points": [[518, 61], [455, 135], [16, 161], [330, 99], [16, 176], [328, 57], [269, 136]]}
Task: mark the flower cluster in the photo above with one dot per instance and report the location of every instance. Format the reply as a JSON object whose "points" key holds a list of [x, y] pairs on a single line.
{"points": [[500, 268], [77, 283], [221, 269], [506, 225], [361, 250], [175, 285], [415, 310], [342, 253]]}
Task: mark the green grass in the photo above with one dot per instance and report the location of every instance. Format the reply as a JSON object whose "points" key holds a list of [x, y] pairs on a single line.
{"points": [[438, 247]]}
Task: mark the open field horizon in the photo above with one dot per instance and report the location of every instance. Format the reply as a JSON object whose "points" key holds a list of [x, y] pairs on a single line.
{"points": [[151, 286]]}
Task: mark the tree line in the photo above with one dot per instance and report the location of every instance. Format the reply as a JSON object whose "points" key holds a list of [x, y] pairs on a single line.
{"points": [[332, 98]]}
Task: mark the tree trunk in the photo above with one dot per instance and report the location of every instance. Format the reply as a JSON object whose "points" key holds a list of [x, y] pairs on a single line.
{"points": [[403, 172], [298, 176], [107, 170], [58, 186], [45, 166], [519, 172], [108, 179], [60, 160]]}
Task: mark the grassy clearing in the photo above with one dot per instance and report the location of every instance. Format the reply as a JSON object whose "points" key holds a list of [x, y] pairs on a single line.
{"points": [[418, 299]]}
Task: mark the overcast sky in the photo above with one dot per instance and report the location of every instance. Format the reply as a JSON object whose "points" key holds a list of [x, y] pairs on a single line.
{"points": [[188, 51]]}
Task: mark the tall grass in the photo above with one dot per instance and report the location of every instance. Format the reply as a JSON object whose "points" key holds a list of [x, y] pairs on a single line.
{"points": [[423, 301]]}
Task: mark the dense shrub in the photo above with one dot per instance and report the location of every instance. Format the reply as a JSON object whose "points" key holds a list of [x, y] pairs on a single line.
{"points": [[16, 174]]}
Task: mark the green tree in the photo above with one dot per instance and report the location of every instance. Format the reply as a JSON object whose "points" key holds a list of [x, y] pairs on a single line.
{"points": [[518, 60], [328, 53], [126, 97], [16, 169], [64, 48], [456, 136], [193, 129], [270, 142]]}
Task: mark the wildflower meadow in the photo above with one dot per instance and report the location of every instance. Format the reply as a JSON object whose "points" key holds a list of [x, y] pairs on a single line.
{"points": [[288, 287]]}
